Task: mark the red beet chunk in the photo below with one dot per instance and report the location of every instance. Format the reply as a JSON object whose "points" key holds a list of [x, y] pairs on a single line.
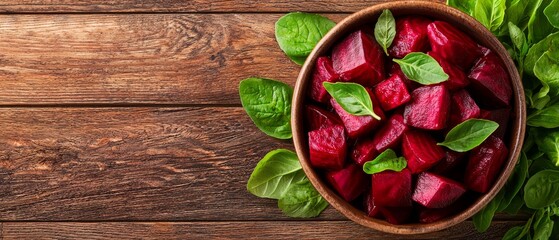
{"points": [[359, 125], [364, 151], [456, 77], [349, 182], [411, 36], [452, 44], [392, 92], [428, 108], [370, 206], [434, 191], [397, 215], [323, 72], [390, 134], [328, 147], [358, 58], [500, 116], [392, 189], [449, 163], [318, 118], [421, 151], [490, 82], [484, 164], [463, 107]]}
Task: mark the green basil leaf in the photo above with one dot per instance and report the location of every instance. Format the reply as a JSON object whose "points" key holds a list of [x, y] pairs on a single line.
{"points": [[385, 30], [542, 189], [466, 6], [352, 97], [538, 26], [268, 103], [469, 134], [549, 144], [552, 13], [302, 201], [550, 43], [513, 233], [482, 219], [543, 227], [547, 70], [298, 33], [387, 160], [491, 13], [274, 174], [546, 117], [515, 182], [422, 68], [518, 39]]}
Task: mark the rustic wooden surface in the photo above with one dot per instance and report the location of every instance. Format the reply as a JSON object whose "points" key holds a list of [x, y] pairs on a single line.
{"points": [[121, 119]]}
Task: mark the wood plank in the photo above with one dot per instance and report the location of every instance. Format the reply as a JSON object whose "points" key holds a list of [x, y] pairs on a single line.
{"points": [[184, 6], [59, 164], [145, 58], [234, 230]]}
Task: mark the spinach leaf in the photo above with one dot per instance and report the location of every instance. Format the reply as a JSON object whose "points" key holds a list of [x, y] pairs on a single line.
{"points": [[302, 201], [273, 175], [537, 50], [513, 233], [482, 219], [352, 97], [538, 26], [543, 227], [519, 40], [387, 160], [552, 13], [515, 205], [268, 103], [385, 30], [469, 134], [422, 68], [520, 11], [546, 117], [491, 13], [549, 144], [297, 33], [542, 189], [466, 6], [515, 182], [547, 70]]}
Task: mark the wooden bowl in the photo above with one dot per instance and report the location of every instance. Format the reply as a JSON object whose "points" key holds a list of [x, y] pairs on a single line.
{"points": [[369, 16]]}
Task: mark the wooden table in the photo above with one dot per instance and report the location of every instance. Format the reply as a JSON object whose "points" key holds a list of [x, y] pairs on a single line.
{"points": [[121, 119]]}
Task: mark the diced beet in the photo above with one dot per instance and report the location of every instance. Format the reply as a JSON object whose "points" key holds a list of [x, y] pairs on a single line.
{"points": [[349, 182], [323, 72], [364, 151], [328, 147], [390, 134], [370, 206], [449, 163], [434, 191], [397, 215], [318, 118], [456, 77], [421, 151], [462, 108], [392, 189], [484, 164], [452, 44], [359, 125], [410, 85], [392, 92], [490, 82], [411, 36], [358, 58], [428, 108], [500, 116]]}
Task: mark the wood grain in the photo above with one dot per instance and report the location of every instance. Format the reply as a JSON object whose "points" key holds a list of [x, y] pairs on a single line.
{"points": [[234, 230], [141, 58], [56, 6], [59, 164]]}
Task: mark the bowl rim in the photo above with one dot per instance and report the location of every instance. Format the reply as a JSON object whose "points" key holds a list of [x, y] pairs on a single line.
{"points": [[465, 23]]}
